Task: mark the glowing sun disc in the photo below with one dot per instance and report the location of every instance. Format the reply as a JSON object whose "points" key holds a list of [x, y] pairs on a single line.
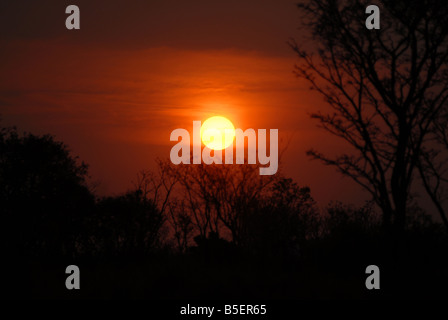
{"points": [[217, 133]]}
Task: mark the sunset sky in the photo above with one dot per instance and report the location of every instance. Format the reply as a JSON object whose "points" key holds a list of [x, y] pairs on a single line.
{"points": [[136, 70]]}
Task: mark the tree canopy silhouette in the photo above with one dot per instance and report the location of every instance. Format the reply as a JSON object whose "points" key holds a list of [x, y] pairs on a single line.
{"points": [[43, 194], [260, 214]]}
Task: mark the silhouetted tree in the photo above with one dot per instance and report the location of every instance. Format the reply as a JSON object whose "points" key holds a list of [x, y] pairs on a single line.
{"points": [[126, 225], [43, 195], [433, 166], [259, 214], [219, 197], [348, 222], [182, 224], [386, 88], [283, 220], [134, 223], [156, 187]]}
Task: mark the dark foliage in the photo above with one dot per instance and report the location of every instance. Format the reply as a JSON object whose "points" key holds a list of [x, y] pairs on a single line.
{"points": [[124, 225], [186, 233], [43, 196]]}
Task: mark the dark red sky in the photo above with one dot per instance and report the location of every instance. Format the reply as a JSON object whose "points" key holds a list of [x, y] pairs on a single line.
{"points": [[114, 90]]}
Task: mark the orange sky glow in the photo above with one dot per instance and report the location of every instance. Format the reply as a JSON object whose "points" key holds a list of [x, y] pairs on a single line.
{"points": [[115, 105]]}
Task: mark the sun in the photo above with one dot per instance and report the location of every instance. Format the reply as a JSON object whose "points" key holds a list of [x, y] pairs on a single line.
{"points": [[217, 133]]}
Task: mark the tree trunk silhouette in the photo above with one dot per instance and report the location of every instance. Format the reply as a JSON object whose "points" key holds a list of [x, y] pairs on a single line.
{"points": [[386, 88]]}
